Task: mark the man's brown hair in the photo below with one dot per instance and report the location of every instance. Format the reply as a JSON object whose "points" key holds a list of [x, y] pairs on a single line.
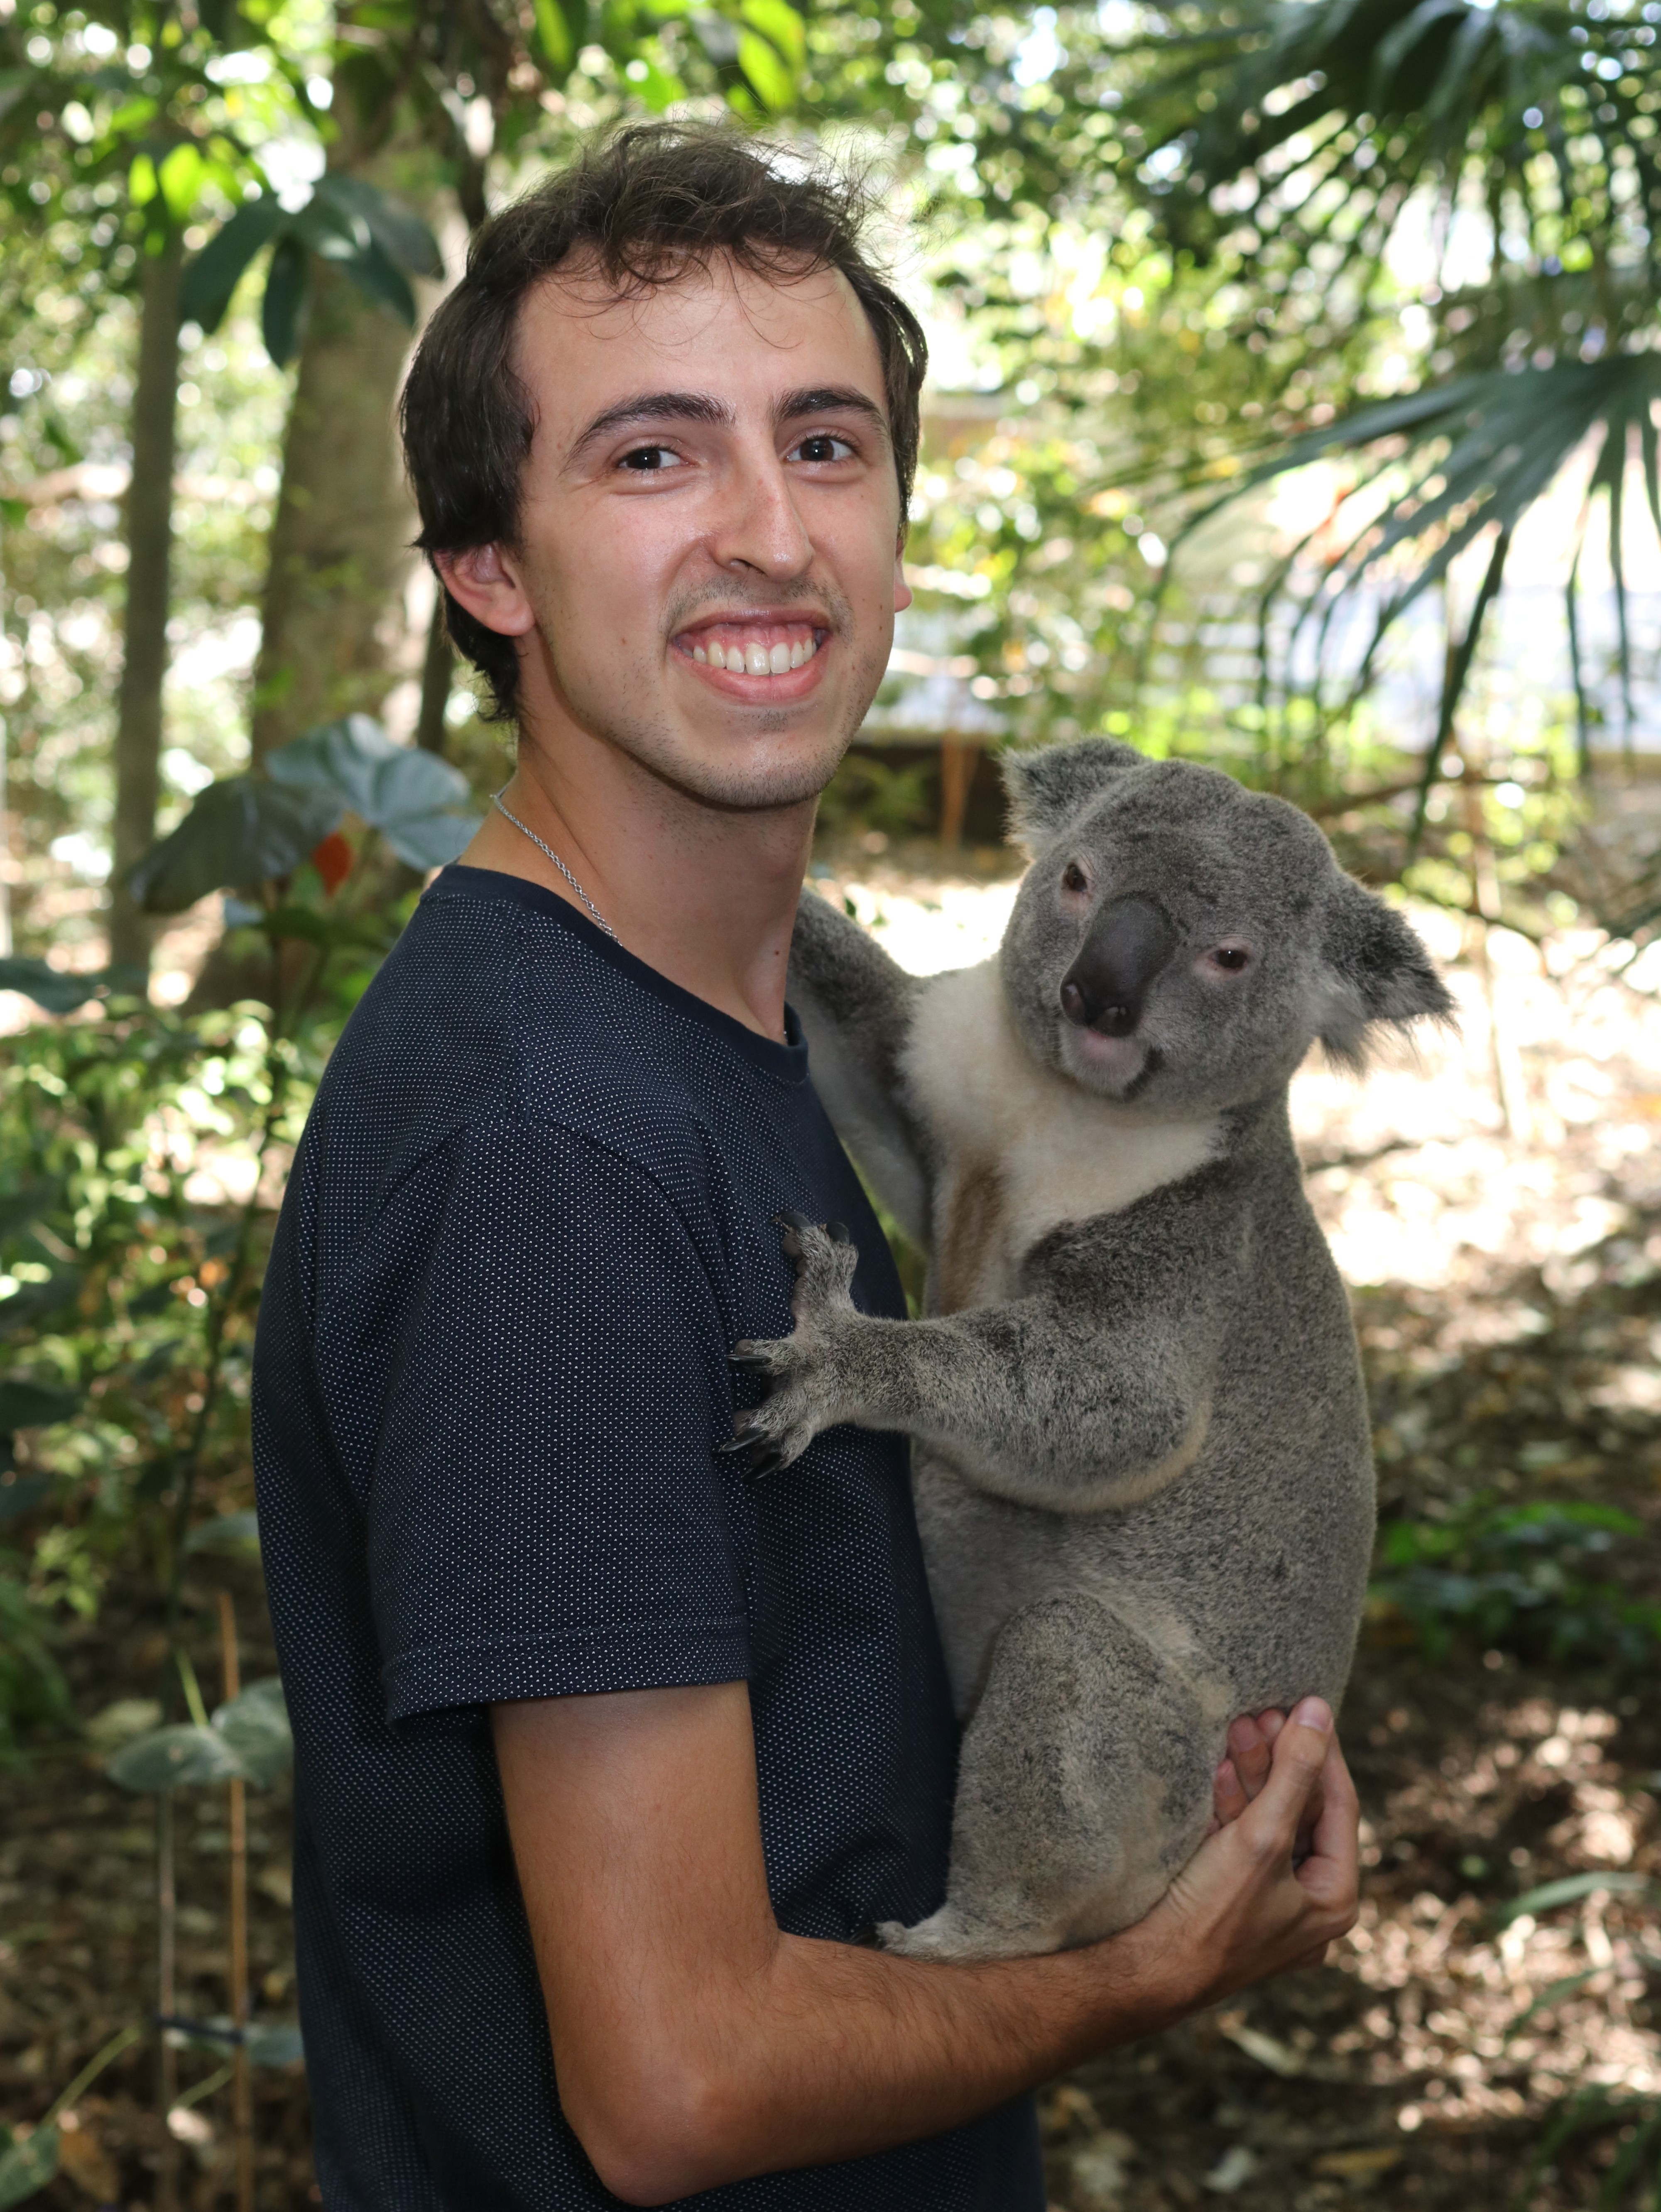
{"points": [[639, 206]]}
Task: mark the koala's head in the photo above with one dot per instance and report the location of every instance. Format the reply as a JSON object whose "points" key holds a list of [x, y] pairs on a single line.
{"points": [[1180, 942]]}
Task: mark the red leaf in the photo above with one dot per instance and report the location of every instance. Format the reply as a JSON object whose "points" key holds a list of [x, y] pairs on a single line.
{"points": [[332, 859]]}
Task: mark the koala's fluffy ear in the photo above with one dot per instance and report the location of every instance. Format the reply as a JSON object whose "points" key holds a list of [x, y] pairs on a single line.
{"points": [[1377, 970], [1048, 786]]}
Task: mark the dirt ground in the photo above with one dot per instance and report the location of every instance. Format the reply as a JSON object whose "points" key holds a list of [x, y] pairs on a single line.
{"points": [[1497, 1207]]}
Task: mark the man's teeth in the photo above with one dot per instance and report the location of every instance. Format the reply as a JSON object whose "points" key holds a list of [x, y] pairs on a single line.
{"points": [[756, 660]]}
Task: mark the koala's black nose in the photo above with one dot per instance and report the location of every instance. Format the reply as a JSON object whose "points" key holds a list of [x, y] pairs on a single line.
{"points": [[1127, 946]]}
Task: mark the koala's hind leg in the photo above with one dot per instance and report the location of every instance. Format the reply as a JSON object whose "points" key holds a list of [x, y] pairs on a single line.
{"points": [[1086, 1784]]}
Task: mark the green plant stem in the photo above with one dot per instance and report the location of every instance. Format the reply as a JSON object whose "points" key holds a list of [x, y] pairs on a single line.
{"points": [[90, 2072]]}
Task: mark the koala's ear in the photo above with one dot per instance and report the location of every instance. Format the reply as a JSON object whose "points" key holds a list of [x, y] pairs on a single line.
{"points": [[1048, 786], [1377, 970]]}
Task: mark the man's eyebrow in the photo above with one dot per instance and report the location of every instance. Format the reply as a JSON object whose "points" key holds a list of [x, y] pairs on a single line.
{"points": [[831, 399], [650, 407]]}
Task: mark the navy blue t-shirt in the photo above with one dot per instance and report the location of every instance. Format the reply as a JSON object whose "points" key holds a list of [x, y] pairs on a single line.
{"points": [[531, 1212]]}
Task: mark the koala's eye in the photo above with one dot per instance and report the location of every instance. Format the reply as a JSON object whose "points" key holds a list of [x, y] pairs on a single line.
{"points": [[1073, 877], [1230, 958]]}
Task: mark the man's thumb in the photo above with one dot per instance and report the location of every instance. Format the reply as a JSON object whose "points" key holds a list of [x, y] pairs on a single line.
{"points": [[1300, 1755]]}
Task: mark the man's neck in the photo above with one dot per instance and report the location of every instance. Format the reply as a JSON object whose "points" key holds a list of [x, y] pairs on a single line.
{"points": [[707, 896]]}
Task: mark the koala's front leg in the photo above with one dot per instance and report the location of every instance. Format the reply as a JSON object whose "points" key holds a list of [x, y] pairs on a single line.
{"points": [[812, 1373], [1030, 1405]]}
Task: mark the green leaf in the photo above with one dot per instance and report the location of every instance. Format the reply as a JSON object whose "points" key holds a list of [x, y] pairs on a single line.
{"points": [[256, 1726], [228, 1533], [554, 37], [285, 297], [25, 1405], [1568, 1890], [213, 276], [273, 2043], [27, 2166], [52, 990], [379, 277], [774, 84], [413, 798], [180, 177], [309, 925], [239, 834], [777, 21], [172, 1756], [399, 233]]}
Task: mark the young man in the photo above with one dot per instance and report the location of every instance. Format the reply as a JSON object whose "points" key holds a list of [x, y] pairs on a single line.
{"points": [[607, 1756]]}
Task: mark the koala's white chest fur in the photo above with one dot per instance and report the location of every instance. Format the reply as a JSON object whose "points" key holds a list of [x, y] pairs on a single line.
{"points": [[1025, 1149]]}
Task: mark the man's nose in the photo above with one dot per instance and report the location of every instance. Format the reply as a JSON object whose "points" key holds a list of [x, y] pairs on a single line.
{"points": [[757, 526], [1129, 944]]}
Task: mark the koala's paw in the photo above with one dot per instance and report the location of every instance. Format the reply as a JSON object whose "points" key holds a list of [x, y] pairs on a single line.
{"points": [[800, 1371]]}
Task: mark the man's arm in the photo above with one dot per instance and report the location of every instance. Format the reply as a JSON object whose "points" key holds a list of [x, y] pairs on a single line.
{"points": [[694, 2044]]}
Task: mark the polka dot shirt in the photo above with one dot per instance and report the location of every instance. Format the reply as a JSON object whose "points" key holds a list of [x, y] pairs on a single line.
{"points": [[531, 1212]]}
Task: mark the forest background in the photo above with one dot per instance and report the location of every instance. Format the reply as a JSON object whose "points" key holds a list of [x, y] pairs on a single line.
{"points": [[1292, 408]]}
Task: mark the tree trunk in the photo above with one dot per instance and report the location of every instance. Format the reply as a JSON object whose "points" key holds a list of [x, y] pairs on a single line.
{"points": [[150, 549], [343, 521]]}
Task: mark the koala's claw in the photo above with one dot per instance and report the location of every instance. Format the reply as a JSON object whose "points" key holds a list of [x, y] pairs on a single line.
{"points": [[799, 1372], [764, 1463], [751, 1359]]}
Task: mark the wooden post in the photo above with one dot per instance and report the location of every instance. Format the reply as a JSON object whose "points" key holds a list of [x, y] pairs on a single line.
{"points": [[957, 759], [241, 2080]]}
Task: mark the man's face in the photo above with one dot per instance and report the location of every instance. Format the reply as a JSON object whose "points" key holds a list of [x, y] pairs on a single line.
{"points": [[707, 558]]}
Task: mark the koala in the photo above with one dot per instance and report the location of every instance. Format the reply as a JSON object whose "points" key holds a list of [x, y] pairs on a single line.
{"points": [[1141, 1457]]}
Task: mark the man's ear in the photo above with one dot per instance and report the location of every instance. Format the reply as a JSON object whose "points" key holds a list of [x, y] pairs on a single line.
{"points": [[1377, 971], [485, 582], [1046, 788]]}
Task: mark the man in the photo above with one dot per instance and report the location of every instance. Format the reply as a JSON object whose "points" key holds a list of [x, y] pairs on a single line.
{"points": [[607, 1756]]}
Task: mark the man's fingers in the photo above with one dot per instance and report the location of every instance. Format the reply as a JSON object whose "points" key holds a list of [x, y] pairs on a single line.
{"points": [[1301, 1749], [1249, 1750], [1228, 1798], [1334, 1846]]}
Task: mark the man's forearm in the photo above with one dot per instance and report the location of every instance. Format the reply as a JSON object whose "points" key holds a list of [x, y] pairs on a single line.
{"points": [[694, 2043], [833, 2052]]}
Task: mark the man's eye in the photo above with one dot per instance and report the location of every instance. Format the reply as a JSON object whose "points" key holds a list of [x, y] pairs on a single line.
{"points": [[824, 445], [644, 458]]}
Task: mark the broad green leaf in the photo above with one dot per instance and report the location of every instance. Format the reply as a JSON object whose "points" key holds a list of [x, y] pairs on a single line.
{"points": [[141, 185], [397, 230], [256, 1726], [285, 297], [239, 834], [554, 36], [180, 177], [52, 990], [173, 1756], [273, 2043], [379, 277], [26, 2167], [413, 798], [777, 21], [212, 278], [230, 1532], [25, 1405], [774, 86]]}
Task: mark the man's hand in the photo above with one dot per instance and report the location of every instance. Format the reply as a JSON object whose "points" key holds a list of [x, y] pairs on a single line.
{"points": [[1276, 1880], [694, 2044]]}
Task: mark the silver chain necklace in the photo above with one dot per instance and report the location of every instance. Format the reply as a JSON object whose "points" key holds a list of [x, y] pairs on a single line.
{"points": [[560, 864]]}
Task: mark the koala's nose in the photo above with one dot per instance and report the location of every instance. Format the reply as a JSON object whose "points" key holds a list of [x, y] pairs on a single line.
{"points": [[1129, 945]]}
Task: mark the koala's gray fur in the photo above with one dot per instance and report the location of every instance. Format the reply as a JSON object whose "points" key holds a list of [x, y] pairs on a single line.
{"points": [[1142, 1466]]}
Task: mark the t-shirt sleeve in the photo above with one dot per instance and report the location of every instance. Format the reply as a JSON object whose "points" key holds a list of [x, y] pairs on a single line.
{"points": [[547, 1506]]}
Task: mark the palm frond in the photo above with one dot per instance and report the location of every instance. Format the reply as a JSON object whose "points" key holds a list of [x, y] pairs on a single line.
{"points": [[1438, 471]]}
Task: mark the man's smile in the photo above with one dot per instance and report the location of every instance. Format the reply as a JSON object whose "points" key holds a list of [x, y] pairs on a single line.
{"points": [[762, 652]]}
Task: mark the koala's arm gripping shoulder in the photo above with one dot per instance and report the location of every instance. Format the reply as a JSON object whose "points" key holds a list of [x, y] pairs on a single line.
{"points": [[855, 1006]]}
